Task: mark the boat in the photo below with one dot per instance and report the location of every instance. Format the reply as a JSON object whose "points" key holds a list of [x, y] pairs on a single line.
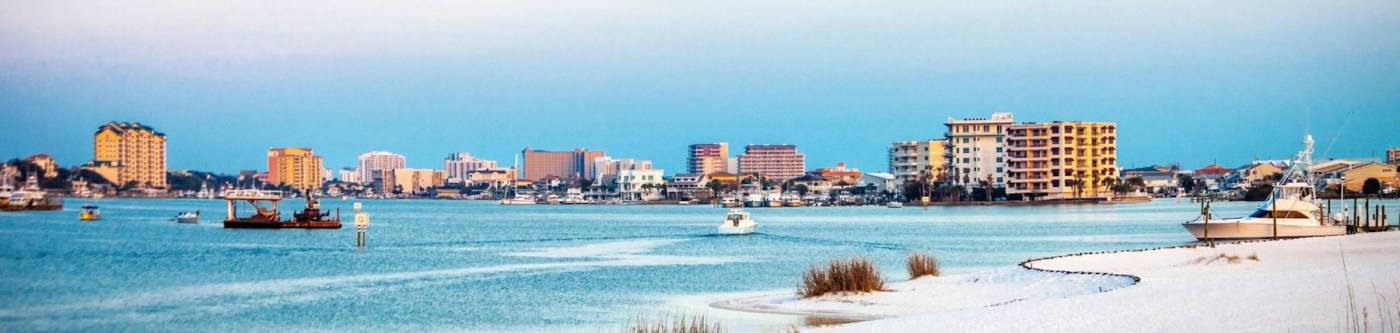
{"points": [[1291, 211], [266, 216], [187, 217], [894, 204], [773, 200], [90, 213], [515, 198], [31, 197], [792, 201], [737, 222], [728, 202], [753, 200]]}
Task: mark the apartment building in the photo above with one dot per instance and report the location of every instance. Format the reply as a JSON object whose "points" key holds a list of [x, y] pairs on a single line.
{"points": [[909, 160], [707, 158], [574, 164], [375, 165], [976, 150], [457, 166], [299, 168], [775, 162], [1061, 160], [129, 153]]}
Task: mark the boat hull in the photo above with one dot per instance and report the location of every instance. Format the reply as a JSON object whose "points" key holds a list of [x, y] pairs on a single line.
{"points": [[246, 224], [1245, 230], [739, 230]]}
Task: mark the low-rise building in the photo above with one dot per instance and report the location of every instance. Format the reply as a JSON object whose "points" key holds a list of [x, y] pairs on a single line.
{"points": [[1212, 176], [1155, 178], [688, 186], [882, 182], [640, 184], [45, 163], [840, 175], [1353, 175]]}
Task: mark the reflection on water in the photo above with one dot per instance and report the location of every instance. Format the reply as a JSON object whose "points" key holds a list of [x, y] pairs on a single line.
{"points": [[455, 265]]}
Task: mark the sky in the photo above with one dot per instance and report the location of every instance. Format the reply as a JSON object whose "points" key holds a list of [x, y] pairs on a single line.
{"points": [[1193, 82]]}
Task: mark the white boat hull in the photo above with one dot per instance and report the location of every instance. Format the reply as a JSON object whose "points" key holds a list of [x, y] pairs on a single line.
{"points": [[517, 202], [742, 229], [1252, 230]]}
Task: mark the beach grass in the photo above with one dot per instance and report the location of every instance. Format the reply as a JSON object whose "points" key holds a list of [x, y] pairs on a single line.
{"points": [[922, 264], [673, 324], [849, 275]]}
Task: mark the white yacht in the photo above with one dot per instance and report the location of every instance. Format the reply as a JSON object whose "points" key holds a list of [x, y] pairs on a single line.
{"points": [[894, 204], [737, 222], [1291, 211], [187, 217]]}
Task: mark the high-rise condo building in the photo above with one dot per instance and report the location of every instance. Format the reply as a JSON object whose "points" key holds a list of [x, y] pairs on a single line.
{"points": [[129, 153], [413, 181], [976, 150], [374, 165], [352, 176], [299, 168], [708, 158], [575, 164], [910, 160], [1392, 155], [1061, 160], [458, 165], [775, 162]]}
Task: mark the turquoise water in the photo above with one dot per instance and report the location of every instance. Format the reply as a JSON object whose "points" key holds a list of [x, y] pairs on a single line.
{"points": [[476, 266]]}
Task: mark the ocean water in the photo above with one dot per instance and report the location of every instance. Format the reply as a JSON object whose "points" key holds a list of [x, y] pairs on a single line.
{"points": [[477, 266]]}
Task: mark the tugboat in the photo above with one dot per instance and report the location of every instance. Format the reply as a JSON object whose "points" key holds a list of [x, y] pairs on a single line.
{"points": [[737, 222], [90, 213], [269, 218]]}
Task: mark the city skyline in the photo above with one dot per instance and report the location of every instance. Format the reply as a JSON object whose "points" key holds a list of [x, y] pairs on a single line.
{"points": [[646, 80]]}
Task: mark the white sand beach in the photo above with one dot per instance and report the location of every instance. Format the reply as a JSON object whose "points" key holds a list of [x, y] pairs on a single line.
{"points": [[1294, 285]]}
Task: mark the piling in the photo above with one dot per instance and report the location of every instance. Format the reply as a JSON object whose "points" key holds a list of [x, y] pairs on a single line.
{"points": [[361, 223]]}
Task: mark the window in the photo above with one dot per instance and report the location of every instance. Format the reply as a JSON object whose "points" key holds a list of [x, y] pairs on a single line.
{"points": [[998, 149]]}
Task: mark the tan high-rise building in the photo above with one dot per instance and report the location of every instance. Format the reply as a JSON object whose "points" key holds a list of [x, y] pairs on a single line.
{"points": [[708, 158], [575, 164], [976, 150], [910, 160], [1062, 160], [299, 168], [775, 162], [415, 181], [375, 165], [1392, 156], [129, 153]]}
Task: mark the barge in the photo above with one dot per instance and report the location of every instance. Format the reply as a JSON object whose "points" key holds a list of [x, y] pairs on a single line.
{"points": [[266, 216]]}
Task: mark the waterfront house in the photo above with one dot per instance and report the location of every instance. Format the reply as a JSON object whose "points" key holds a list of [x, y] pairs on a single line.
{"points": [[882, 182], [688, 186]]}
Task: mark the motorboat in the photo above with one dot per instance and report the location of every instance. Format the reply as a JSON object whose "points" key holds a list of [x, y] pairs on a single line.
{"points": [[187, 217], [1292, 210], [90, 213], [518, 201], [32, 197], [894, 204], [729, 202], [737, 222]]}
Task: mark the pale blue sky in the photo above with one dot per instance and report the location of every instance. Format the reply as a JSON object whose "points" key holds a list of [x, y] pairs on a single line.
{"points": [[1187, 81]]}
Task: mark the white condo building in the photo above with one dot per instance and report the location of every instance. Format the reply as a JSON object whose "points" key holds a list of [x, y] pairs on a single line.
{"points": [[977, 150], [458, 166], [373, 165]]}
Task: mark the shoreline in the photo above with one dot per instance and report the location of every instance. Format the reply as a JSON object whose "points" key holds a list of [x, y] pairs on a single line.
{"points": [[1293, 284]]}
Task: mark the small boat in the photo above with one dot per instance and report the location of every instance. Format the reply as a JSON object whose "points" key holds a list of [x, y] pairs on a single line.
{"points": [[792, 202], [90, 213], [1291, 211], [518, 201], [728, 202], [737, 222], [187, 217], [894, 204]]}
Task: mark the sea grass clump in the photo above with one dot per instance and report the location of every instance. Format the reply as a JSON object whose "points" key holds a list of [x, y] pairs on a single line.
{"points": [[850, 275], [922, 264]]}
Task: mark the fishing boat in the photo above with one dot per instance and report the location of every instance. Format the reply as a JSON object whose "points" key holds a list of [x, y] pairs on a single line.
{"points": [[1291, 211], [186, 217], [266, 215], [773, 200], [737, 222], [90, 213], [792, 201]]}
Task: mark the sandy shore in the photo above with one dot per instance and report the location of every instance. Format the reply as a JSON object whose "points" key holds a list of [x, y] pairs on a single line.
{"points": [[1294, 285]]}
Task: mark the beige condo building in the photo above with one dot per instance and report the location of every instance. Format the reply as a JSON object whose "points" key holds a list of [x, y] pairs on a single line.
{"points": [[129, 153], [299, 168], [1061, 160], [910, 160], [975, 150]]}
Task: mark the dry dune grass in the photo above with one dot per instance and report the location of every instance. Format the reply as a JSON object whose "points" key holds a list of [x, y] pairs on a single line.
{"points": [[856, 274], [922, 264], [676, 324]]}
